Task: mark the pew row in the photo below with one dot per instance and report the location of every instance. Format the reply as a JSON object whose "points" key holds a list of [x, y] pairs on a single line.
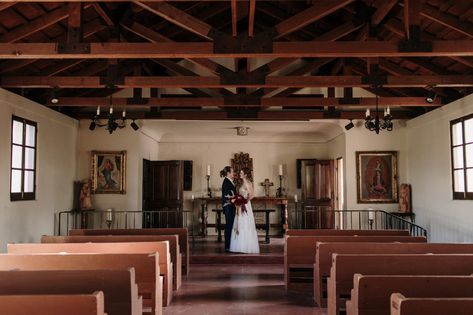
{"points": [[328, 232], [165, 265], [176, 258], [181, 232], [146, 269], [300, 251], [401, 305], [323, 260], [118, 286], [148, 275], [371, 294], [344, 267], [59, 304]]}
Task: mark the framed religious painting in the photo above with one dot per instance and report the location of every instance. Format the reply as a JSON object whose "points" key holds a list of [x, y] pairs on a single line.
{"points": [[108, 172], [376, 173]]}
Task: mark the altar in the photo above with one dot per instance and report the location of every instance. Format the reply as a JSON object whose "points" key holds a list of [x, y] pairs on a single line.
{"points": [[261, 205]]}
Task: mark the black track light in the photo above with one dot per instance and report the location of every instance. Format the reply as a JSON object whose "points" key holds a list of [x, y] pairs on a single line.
{"points": [[349, 125], [430, 98], [92, 125], [134, 125], [54, 99]]}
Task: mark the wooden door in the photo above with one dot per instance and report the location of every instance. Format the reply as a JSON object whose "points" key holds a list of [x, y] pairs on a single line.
{"points": [[317, 193], [163, 186]]}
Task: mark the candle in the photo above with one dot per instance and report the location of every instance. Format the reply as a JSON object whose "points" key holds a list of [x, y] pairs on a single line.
{"points": [[124, 113], [109, 214], [111, 110], [370, 215], [98, 110], [385, 112], [208, 170], [368, 112], [193, 197], [389, 111], [280, 169], [295, 198]]}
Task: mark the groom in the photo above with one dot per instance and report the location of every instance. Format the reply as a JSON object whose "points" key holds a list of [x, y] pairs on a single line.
{"points": [[228, 189]]}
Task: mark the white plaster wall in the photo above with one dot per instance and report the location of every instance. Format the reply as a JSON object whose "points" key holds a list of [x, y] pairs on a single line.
{"points": [[429, 172], [26, 221], [138, 145]]}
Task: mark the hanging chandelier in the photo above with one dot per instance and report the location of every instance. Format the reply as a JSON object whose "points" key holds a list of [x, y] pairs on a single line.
{"points": [[377, 123], [111, 124]]}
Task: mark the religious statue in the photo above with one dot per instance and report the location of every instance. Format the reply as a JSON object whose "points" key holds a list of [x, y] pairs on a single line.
{"points": [[405, 198], [266, 184], [85, 201]]}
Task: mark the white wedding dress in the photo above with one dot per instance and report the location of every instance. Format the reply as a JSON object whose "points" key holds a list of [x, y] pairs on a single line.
{"points": [[246, 240]]}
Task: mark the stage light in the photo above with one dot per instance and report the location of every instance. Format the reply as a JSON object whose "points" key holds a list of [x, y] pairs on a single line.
{"points": [[92, 125], [134, 125], [349, 125], [430, 98]]}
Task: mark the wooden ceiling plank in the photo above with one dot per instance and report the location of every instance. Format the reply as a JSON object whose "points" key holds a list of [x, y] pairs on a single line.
{"points": [[215, 82], [447, 20], [314, 13], [178, 17], [384, 7], [4, 6], [103, 13], [155, 37]]}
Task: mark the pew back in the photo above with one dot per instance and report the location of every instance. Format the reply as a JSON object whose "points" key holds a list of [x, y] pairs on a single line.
{"points": [[371, 293], [60, 304], [401, 305], [173, 240], [181, 232], [314, 232], [118, 286]]}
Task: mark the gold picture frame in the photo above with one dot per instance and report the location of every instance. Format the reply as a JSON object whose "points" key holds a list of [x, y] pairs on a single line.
{"points": [[108, 172], [376, 177]]}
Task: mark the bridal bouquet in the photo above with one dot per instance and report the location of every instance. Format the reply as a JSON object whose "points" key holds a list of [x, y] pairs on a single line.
{"points": [[238, 200]]}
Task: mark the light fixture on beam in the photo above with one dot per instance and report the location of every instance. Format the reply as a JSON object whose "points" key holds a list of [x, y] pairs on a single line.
{"points": [[349, 125], [431, 95], [242, 131], [111, 124], [376, 123], [54, 99]]}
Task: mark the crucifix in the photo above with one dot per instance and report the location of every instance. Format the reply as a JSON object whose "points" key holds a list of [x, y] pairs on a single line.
{"points": [[266, 184]]}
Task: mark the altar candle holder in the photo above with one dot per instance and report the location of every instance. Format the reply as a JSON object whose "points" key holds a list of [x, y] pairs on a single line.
{"points": [[209, 191], [279, 191]]}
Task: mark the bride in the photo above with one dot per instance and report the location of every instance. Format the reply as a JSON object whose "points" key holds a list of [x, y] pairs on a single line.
{"points": [[244, 237]]}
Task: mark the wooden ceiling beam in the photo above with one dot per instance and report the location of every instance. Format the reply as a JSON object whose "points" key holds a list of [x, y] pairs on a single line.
{"points": [[251, 18], [303, 101], [215, 82], [308, 16], [443, 48], [103, 13], [6, 5], [234, 12], [178, 17]]}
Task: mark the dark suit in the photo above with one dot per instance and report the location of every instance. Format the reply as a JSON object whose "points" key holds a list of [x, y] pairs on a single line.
{"points": [[228, 189]]}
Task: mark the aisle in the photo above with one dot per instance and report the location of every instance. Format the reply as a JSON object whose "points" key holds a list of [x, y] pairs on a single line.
{"points": [[238, 290]]}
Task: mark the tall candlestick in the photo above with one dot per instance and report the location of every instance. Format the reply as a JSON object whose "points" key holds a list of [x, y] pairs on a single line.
{"points": [[111, 110], [370, 215], [389, 111], [280, 169], [295, 198], [208, 170], [193, 197]]}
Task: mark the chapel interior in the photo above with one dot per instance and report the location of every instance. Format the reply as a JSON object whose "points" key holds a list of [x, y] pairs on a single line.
{"points": [[355, 118]]}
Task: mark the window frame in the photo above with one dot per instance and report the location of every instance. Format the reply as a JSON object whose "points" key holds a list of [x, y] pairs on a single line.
{"points": [[460, 195], [19, 196]]}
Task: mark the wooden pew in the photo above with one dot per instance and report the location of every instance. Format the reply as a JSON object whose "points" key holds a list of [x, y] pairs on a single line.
{"points": [[181, 232], [118, 286], [371, 294], [299, 252], [323, 260], [401, 305], [314, 232], [59, 304], [165, 265], [174, 249], [344, 267], [146, 266]]}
